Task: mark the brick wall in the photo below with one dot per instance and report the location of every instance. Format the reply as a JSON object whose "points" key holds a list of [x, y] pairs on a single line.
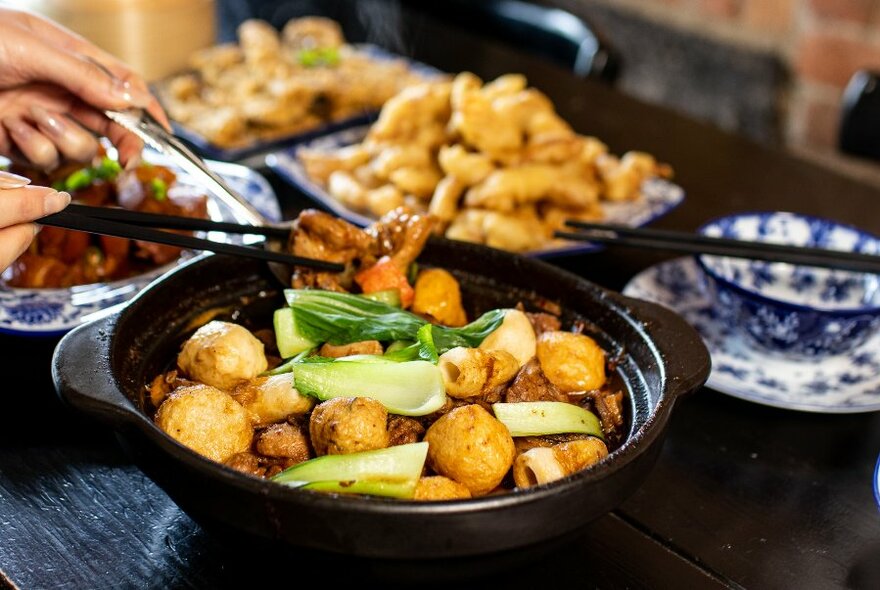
{"points": [[820, 42]]}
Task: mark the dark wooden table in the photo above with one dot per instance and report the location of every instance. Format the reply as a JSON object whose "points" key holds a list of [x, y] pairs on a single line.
{"points": [[743, 495]]}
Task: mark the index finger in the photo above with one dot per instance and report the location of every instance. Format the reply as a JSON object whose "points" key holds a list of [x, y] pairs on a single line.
{"points": [[51, 32]]}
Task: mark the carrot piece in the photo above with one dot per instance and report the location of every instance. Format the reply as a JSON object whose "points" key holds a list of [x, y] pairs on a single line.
{"points": [[385, 275]]}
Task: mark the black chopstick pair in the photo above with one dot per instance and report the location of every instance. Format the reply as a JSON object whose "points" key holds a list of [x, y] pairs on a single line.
{"points": [[677, 241], [142, 226]]}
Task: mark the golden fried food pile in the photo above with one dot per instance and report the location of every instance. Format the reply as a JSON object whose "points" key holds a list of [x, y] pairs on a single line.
{"points": [[270, 85], [493, 162]]}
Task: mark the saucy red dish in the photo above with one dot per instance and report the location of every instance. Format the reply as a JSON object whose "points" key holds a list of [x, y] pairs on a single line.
{"points": [[60, 258]]}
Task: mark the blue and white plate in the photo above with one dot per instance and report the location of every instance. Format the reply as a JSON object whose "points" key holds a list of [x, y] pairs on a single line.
{"points": [[877, 483], [211, 150], [52, 312], [659, 196], [845, 383]]}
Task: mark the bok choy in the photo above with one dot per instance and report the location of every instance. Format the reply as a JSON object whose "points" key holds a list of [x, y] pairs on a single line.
{"points": [[342, 318], [409, 388], [392, 472]]}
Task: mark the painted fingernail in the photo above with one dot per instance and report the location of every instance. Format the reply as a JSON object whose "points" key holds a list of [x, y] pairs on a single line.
{"points": [[55, 202], [48, 123], [124, 90], [10, 180]]}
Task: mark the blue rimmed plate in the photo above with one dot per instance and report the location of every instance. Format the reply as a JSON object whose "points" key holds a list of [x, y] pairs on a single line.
{"points": [[52, 312], [659, 196], [836, 384], [209, 149]]}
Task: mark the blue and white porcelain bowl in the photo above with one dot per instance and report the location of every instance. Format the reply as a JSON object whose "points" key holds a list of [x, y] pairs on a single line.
{"points": [[796, 310]]}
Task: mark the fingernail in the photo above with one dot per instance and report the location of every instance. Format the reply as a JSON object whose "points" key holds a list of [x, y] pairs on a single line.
{"points": [[10, 180], [55, 202], [133, 163], [37, 228], [123, 89], [48, 122]]}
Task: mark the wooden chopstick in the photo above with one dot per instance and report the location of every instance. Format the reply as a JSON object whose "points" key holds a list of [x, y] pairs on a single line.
{"points": [[156, 220], [677, 241], [77, 221]]}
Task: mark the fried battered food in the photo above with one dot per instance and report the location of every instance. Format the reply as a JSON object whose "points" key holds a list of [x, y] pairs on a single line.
{"points": [[438, 296], [437, 487], [269, 85], [493, 163], [363, 347], [222, 354], [470, 446], [515, 335], [270, 399], [471, 372], [345, 425], [284, 441], [206, 420], [572, 362]]}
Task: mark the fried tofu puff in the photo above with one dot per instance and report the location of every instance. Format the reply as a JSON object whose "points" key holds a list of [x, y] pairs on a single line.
{"points": [[222, 354], [572, 362], [515, 335], [270, 399], [470, 446], [345, 425], [437, 487], [206, 420]]}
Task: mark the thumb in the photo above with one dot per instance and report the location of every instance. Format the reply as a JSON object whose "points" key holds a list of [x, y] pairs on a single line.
{"points": [[84, 78]]}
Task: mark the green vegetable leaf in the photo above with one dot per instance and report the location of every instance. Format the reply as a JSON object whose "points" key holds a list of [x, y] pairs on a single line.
{"points": [[343, 318], [393, 472], [427, 350], [412, 388], [540, 418]]}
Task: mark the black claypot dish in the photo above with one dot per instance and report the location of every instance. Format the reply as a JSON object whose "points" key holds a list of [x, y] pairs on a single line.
{"points": [[101, 369]]}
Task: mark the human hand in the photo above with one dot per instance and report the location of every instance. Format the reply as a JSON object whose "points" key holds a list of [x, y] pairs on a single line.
{"points": [[21, 205], [54, 86]]}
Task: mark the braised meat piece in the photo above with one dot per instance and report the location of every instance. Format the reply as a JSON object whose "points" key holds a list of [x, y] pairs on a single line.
{"points": [[544, 322], [401, 234], [319, 235], [363, 347], [609, 406], [284, 440], [403, 430], [531, 385], [246, 463]]}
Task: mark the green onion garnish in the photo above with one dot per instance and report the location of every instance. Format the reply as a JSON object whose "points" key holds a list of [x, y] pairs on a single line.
{"points": [[160, 189]]}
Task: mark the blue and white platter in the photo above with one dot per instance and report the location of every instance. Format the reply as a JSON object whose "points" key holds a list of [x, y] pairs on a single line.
{"points": [[836, 384], [52, 312], [659, 196], [209, 149]]}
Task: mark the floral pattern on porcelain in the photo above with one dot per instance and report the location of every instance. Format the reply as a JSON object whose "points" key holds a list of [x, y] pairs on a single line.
{"points": [[840, 383], [797, 310]]}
